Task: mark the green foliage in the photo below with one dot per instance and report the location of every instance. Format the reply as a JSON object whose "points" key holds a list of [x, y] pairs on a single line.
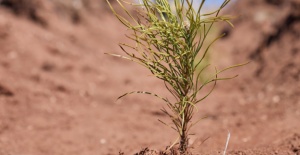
{"points": [[169, 43]]}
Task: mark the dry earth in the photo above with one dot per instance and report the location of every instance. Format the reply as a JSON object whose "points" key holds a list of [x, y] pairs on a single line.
{"points": [[58, 89]]}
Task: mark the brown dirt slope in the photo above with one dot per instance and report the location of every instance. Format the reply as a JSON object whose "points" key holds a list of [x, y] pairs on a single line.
{"points": [[268, 34], [58, 89]]}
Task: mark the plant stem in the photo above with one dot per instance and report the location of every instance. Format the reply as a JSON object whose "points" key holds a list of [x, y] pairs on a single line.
{"points": [[183, 145], [185, 119]]}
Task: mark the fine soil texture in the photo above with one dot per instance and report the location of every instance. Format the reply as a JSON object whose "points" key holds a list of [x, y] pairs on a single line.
{"points": [[58, 88]]}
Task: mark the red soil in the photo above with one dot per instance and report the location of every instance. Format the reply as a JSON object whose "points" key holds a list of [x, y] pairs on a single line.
{"points": [[58, 89]]}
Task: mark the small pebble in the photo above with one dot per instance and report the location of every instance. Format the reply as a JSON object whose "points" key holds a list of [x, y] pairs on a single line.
{"points": [[276, 99], [102, 141]]}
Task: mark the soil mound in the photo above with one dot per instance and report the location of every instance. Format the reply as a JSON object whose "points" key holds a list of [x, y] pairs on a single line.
{"points": [[267, 32]]}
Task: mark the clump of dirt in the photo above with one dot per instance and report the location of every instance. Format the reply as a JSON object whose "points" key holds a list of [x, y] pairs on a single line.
{"points": [[147, 151], [4, 91], [293, 143], [29, 8]]}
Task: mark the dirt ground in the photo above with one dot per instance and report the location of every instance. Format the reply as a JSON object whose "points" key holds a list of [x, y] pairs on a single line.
{"points": [[58, 88]]}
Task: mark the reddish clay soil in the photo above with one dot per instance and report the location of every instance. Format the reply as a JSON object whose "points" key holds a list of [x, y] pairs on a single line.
{"points": [[58, 88]]}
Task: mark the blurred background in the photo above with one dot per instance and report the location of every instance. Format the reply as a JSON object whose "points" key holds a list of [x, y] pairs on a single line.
{"points": [[58, 88]]}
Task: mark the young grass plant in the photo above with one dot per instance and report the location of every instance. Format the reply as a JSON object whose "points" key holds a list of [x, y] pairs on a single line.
{"points": [[168, 43]]}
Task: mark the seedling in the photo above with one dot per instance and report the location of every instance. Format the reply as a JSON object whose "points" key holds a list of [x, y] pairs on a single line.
{"points": [[169, 43]]}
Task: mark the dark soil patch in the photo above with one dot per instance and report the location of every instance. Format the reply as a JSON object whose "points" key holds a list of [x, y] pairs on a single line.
{"points": [[5, 92]]}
